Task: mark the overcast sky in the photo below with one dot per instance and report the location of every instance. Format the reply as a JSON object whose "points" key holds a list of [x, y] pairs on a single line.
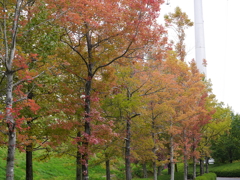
{"points": [[222, 39]]}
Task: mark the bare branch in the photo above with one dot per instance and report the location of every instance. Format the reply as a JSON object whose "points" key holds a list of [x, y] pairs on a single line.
{"points": [[74, 49], [24, 80], [21, 99], [135, 115], [103, 40]]}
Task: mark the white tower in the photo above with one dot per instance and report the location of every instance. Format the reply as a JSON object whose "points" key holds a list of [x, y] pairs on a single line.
{"points": [[199, 37]]}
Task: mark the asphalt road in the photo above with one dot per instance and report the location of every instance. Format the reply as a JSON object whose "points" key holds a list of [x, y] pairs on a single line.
{"points": [[222, 178]]}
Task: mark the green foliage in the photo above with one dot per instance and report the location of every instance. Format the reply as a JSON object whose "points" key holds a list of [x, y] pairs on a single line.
{"points": [[227, 147], [177, 176], [218, 125], [56, 168], [208, 176], [137, 170], [226, 170], [63, 168], [179, 21]]}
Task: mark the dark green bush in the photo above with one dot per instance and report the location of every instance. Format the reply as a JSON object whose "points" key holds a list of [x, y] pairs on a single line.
{"points": [[208, 176], [190, 176], [137, 170], [227, 170], [233, 173]]}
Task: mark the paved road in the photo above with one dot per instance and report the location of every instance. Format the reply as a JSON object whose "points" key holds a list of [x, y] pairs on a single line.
{"points": [[221, 178]]}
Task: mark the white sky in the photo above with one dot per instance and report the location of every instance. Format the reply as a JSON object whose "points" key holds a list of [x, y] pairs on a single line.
{"points": [[222, 42]]}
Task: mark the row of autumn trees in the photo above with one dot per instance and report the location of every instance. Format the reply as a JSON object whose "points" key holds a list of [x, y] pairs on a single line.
{"points": [[100, 77]]}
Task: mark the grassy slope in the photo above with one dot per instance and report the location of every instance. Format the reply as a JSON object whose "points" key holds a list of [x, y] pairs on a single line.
{"points": [[64, 169], [226, 170], [57, 168]]}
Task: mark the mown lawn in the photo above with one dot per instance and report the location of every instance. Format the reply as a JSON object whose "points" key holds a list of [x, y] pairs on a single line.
{"points": [[226, 170], [63, 168]]}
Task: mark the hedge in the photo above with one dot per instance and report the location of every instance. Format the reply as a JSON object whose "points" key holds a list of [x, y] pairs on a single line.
{"points": [[208, 176], [229, 173]]}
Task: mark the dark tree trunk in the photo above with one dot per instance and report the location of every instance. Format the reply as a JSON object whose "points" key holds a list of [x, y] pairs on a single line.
{"points": [[29, 163], [194, 168], [201, 167], [230, 156], [169, 168], [207, 163], [108, 174], [87, 127], [145, 174], [127, 151], [176, 168], [78, 160], [160, 168], [194, 160], [29, 150], [185, 158]]}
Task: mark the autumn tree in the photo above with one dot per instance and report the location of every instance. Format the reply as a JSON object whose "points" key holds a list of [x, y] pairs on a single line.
{"points": [[101, 33], [124, 104], [176, 107], [24, 30], [179, 22], [218, 124], [13, 60], [39, 40], [195, 112]]}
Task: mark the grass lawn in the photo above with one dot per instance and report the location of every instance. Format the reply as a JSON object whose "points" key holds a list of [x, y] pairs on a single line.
{"points": [[63, 168], [226, 170]]}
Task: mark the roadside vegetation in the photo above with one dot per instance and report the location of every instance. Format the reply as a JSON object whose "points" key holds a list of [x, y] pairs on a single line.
{"points": [[62, 168]]}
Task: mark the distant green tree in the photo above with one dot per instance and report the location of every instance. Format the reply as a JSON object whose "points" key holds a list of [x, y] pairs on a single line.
{"points": [[227, 147]]}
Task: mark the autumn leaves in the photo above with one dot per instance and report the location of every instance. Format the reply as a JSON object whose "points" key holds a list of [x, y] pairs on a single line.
{"points": [[100, 78]]}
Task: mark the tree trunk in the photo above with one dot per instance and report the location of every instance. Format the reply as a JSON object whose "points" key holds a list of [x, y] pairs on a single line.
{"points": [[29, 151], [145, 174], [11, 129], [9, 49], [185, 167], [160, 170], [154, 170], [194, 167], [154, 148], [127, 151], [230, 156], [29, 163], [169, 168], [207, 163], [87, 127], [11, 155], [78, 160], [185, 157], [201, 167], [176, 167], [108, 174], [172, 158], [194, 160]]}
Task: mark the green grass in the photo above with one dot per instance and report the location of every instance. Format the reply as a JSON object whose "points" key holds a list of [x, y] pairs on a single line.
{"points": [[178, 176], [58, 168], [226, 170], [63, 168]]}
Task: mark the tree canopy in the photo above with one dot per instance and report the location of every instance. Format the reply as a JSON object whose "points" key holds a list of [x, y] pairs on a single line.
{"points": [[101, 78]]}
